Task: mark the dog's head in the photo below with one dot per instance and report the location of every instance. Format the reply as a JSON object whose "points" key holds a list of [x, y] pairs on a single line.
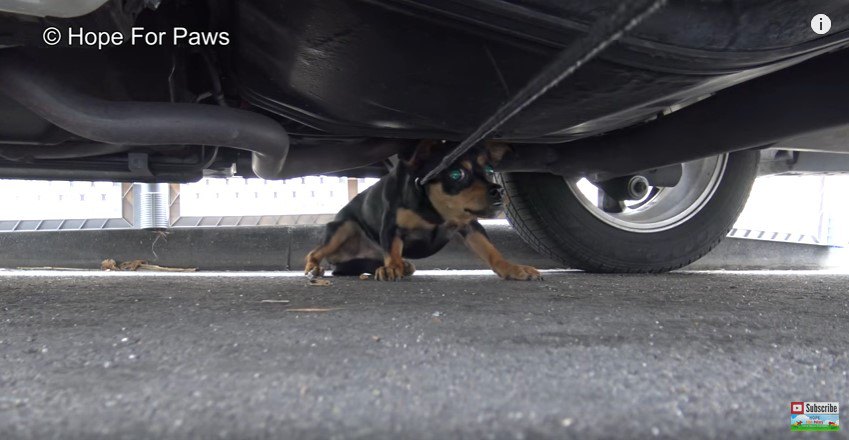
{"points": [[465, 191]]}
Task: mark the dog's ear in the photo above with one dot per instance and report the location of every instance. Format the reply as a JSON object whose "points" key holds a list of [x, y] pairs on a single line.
{"points": [[497, 150], [421, 154]]}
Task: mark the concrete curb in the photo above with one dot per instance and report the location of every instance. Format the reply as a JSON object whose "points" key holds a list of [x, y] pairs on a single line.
{"points": [[284, 248]]}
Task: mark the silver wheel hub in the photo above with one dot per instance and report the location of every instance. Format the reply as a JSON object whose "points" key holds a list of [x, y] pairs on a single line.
{"points": [[661, 208]]}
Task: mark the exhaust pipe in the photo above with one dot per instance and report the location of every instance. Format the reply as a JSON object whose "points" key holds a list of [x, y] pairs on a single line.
{"points": [[146, 123]]}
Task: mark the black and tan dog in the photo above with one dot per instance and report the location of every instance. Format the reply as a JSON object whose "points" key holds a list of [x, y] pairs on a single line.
{"points": [[397, 218]]}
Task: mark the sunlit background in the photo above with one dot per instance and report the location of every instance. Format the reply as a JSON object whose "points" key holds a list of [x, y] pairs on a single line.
{"points": [[801, 209]]}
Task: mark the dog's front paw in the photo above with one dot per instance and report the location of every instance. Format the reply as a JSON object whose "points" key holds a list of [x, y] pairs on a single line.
{"points": [[391, 272], [314, 270], [510, 271]]}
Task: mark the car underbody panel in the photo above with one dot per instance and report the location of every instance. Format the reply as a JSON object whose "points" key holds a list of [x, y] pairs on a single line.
{"points": [[437, 69], [354, 82]]}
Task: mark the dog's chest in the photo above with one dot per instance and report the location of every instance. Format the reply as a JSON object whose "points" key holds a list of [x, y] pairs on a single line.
{"points": [[421, 243]]}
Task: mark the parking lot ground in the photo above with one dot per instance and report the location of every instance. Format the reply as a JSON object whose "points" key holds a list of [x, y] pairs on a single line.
{"points": [[443, 354]]}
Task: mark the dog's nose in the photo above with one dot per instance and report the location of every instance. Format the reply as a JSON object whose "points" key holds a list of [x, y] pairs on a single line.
{"points": [[495, 194]]}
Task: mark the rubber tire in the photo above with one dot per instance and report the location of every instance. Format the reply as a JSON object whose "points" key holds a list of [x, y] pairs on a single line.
{"points": [[549, 217]]}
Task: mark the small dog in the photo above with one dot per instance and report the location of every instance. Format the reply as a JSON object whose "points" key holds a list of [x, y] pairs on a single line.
{"points": [[398, 218]]}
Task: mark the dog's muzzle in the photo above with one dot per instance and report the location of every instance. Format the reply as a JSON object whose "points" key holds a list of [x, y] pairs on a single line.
{"points": [[494, 195]]}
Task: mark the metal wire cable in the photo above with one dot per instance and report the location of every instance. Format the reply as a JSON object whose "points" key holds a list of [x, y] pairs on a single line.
{"points": [[601, 34]]}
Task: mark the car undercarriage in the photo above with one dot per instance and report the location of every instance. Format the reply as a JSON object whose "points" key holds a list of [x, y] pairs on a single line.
{"points": [[173, 91]]}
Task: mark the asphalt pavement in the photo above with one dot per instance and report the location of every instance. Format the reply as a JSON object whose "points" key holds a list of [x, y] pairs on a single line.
{"points": [[683, 355]]}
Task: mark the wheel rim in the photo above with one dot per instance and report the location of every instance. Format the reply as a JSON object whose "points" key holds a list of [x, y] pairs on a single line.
{"points": [[662, 208]]}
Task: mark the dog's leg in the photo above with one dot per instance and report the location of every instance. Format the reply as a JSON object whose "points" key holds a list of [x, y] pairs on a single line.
{"points": [[394, 267], [476, 239], [337, 234], [391, 242]]}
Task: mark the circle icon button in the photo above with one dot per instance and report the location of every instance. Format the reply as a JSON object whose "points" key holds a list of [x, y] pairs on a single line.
{"points": [[821, 24]]}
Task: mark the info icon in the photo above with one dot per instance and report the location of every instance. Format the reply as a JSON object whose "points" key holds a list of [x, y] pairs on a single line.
{"points": [[797, 407], [820, 24]]}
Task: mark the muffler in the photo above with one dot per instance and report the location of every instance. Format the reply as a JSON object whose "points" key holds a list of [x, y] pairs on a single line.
{"points": [[145, 123]]}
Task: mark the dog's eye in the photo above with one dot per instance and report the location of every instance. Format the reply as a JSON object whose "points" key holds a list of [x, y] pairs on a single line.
{"points": [[489, 170], [456, 175]]}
